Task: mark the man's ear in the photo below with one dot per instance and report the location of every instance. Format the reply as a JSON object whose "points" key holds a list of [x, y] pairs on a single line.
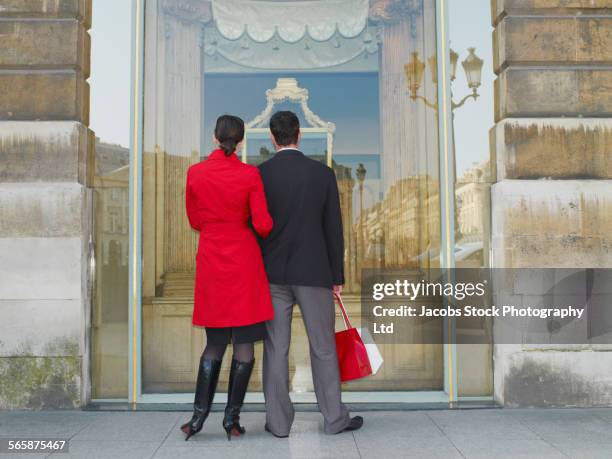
{"points": [[299, 137], [273, 140]]}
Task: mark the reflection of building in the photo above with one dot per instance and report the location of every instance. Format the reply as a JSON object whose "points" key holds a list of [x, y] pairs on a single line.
{"points": [[472, 203], [345, 188], [400, 230], [109, 157], [112, 208], [111, 202], [111, 220]]}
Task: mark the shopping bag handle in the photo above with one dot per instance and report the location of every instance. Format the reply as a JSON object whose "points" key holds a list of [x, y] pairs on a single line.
{"points": [[345, 317]]}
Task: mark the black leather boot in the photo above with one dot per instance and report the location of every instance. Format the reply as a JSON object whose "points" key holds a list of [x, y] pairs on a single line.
{"points": [[240, 374], [208, 375]]}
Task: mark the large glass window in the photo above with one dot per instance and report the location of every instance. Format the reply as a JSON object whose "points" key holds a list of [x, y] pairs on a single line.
{"points": [[363, 78], [472, 88], [110, 81], [348, 69]]}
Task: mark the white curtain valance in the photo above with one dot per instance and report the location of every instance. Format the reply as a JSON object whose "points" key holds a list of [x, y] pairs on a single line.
{"points": [[276, 55], [291, 20]]}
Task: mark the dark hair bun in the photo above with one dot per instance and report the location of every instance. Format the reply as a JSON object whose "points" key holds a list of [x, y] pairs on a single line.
{"points": [[229, 131]]}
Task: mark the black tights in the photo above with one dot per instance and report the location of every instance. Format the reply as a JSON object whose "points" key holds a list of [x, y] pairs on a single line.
{"points": [[243, 352]]}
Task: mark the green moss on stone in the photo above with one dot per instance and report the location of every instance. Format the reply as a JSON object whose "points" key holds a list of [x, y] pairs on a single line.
{"points": [[50, 381]]}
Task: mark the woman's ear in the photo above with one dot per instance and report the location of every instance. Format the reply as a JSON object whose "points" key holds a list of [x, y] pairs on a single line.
{"points": [[215, 141]]}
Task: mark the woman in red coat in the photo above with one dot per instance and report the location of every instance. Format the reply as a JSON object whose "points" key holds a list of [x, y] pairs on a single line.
{"points": [[232, 294]]}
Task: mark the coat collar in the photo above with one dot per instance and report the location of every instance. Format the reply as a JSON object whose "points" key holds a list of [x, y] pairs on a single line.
{"points": [[289, 151], [220, 154]]}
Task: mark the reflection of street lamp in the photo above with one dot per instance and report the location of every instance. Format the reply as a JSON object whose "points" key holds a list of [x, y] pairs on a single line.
{"points": [[454, 58], [472, 66], [361, 175], [414, 74], [415, 70]]}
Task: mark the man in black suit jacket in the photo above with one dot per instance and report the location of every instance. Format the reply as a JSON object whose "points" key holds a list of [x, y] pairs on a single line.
{"points": [[304, 260]]}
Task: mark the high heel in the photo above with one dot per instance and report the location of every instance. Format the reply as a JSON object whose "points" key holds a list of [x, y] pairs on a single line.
{"points": [[208, 376], [240, 374]]}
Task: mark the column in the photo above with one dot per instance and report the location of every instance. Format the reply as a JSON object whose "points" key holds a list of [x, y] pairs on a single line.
{"points": [[408, 129], [45, 202], [173, 117], [553, 103]]}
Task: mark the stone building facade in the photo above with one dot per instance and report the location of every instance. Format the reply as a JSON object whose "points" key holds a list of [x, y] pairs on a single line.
{"points": [[45, 203], [551, 198], [551, 204]]}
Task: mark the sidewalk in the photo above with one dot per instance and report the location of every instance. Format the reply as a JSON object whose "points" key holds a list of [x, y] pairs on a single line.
{"points": [[490, 433]]}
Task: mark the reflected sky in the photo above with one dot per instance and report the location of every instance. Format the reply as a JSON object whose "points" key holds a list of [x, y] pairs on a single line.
{"points": [[470, 26], [110, 70], [348, 100]]}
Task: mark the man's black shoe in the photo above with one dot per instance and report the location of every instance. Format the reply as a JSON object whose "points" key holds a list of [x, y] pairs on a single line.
{"points": [[354, 424], [280, 436]]}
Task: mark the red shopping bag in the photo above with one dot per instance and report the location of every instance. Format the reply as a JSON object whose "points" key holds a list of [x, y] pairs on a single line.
{"points": [[352, 355]]}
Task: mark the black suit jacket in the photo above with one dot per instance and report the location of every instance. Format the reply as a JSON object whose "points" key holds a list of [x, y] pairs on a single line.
{"points": [[306, 245]]}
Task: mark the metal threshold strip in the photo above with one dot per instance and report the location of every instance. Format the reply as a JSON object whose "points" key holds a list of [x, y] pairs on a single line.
{"points": [[375, 401]]}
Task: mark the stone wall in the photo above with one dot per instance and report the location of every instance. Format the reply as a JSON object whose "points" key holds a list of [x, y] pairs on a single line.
{"points": [[552, 203], [45, 203]]}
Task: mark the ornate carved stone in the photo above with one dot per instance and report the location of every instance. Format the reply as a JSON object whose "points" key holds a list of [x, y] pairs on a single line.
{"points": [[389, 11], [168, 30], [188, 11], [288, 89], [383, 12]]}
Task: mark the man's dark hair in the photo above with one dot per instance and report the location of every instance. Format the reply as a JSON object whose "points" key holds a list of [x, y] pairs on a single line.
{"points": [[285, 127]]}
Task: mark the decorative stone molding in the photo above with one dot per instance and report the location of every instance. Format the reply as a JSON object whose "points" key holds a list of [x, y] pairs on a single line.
{"points": [[290, 21], [188, 11], [384, 12], [390, 11]]}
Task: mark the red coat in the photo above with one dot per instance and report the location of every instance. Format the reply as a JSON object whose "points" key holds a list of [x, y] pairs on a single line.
{"points": [[231, 287]]}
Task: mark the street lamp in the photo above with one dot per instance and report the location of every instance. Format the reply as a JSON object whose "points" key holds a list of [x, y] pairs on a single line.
{"points": [[473, 70], [433, 66], [361, 175], [414, 74], [454, 58], [472, 67]]}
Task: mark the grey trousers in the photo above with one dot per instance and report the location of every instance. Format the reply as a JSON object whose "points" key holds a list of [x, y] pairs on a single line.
{"points": [[317, 307]]}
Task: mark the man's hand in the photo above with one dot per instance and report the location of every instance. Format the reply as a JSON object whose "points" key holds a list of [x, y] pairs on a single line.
{"points": [[337, 289]]}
